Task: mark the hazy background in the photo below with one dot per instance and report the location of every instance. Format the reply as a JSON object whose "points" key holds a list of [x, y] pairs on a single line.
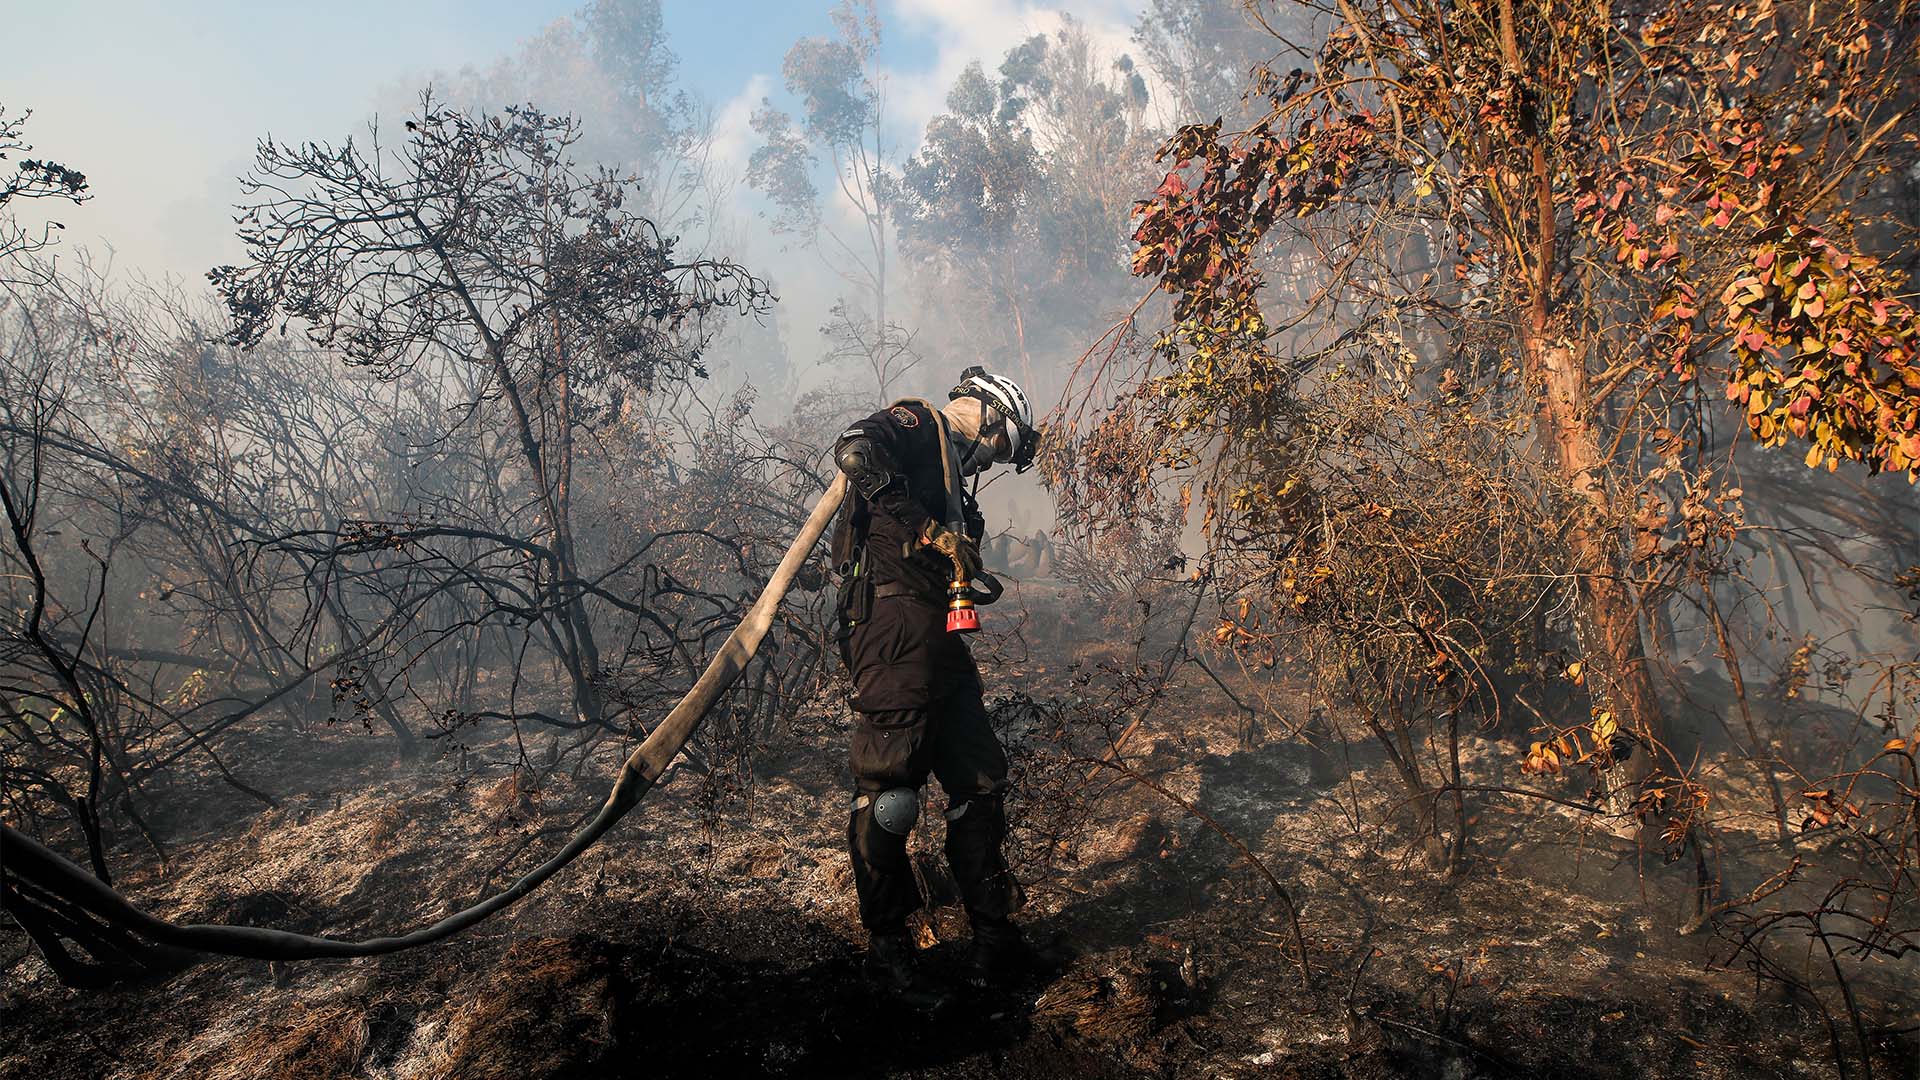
{"points": [[161, 107]]}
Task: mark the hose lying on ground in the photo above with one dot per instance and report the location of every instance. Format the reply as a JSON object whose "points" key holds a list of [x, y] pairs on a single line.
{"points": [[43, 890]]}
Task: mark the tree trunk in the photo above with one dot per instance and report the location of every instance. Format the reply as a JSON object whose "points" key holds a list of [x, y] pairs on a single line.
{"points": [[587, 704], [1609, 620], [1611, 629], [1608, 623]]}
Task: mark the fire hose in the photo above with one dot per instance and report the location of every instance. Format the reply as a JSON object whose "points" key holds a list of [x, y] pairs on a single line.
{"points": [[49, 875]]}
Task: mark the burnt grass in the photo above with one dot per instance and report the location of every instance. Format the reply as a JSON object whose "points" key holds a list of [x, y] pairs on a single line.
{"points": [[714, 934]]}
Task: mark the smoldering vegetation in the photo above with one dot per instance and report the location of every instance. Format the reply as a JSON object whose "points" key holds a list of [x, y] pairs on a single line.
{"points": [[1374, 712]]}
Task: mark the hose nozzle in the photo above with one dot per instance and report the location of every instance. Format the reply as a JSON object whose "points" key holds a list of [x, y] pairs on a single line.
{"points": [[962, 616]]}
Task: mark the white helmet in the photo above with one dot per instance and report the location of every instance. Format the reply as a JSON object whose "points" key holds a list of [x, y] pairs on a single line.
{"points": [[1004, 397]]}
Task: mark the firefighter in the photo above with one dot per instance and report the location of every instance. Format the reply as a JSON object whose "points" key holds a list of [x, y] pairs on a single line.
{"points": [[909, 528]]}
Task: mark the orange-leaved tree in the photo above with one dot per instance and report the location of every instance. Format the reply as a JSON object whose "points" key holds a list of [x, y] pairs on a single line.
{"points": [[1606, 219]]}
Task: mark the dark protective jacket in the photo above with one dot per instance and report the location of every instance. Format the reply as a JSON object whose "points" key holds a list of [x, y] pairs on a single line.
{"points": [[876, 542], [916, 692]]}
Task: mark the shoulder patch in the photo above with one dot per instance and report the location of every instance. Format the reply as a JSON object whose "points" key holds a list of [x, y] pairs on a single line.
{"points": [[903, 416]]}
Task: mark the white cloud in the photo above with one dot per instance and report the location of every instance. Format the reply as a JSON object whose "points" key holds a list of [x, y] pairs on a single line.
{"points": [[733, 135], [983, 30]]}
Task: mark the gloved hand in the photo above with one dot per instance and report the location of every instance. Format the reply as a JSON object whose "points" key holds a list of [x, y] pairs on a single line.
{"points": [[955, 546]]}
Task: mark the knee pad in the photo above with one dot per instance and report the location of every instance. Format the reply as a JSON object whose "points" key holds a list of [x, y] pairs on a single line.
{"points": [[894, 810]]}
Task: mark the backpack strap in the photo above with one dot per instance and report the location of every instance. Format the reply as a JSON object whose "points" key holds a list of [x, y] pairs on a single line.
{"points": [[949, 467]]}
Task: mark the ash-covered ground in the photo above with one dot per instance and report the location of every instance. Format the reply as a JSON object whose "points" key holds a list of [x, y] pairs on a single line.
{"points": [[714, 933]]}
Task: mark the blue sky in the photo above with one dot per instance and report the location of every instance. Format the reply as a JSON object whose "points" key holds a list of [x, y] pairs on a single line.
{"points": [[160, 103]]}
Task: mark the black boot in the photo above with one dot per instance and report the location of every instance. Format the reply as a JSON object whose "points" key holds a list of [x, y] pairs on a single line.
{"points": [[999, 953], [893, 965]]}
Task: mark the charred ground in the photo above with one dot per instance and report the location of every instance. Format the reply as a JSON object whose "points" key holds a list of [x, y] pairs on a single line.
{"points": [[716, 934]]}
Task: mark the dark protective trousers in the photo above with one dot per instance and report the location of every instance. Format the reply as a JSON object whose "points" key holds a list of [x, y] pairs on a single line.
{"points": [[917, 710]]}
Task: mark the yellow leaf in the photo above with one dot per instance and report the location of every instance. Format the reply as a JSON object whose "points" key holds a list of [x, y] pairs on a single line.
{"points": [[1604, 727]]}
